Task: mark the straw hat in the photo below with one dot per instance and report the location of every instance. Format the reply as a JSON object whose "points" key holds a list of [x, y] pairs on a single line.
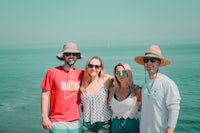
{"points": [[155, 52], [69, 47]]}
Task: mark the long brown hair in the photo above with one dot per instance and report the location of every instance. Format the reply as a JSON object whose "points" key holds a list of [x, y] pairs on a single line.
{"points": [[117, 85], [127, 68]]}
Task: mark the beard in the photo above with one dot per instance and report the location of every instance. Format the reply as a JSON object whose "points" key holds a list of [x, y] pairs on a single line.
{"points": [[152, 69], [71, 62]]}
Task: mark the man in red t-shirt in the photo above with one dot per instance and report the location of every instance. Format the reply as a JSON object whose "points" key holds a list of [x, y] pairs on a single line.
{"points": [[59, 98]]}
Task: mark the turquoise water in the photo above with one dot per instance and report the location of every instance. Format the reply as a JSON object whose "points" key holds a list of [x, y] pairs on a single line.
{"points": [[22, 68]]}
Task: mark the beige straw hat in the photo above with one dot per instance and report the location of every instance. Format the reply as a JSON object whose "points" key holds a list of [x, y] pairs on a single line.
{"points": [[155, 52], [69, 47]]}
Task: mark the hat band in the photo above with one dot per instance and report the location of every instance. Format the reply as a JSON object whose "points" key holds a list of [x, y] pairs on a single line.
{"points": [[151, 53]]}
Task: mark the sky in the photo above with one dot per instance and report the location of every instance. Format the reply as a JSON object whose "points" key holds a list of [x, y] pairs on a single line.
{"points": [[50, 21]]}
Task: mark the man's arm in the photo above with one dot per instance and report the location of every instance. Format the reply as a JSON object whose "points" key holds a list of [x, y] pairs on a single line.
{"points": [[46, 123]]}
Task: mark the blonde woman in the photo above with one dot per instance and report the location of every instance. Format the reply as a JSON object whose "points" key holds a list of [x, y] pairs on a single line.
{"points": [[124, 100], [94, 94]]}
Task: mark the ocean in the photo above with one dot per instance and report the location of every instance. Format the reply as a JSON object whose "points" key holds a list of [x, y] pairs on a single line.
{"points": [[22, 68]]}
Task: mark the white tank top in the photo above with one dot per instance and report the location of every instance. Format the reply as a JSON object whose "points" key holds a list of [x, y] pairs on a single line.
{"points": [[126, 108]]}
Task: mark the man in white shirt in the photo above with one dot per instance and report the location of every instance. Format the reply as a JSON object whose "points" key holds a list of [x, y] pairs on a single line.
{"points": [[160, 95]]}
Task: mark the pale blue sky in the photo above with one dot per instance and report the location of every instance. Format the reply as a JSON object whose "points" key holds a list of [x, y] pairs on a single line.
{"points": [[49, 21]]}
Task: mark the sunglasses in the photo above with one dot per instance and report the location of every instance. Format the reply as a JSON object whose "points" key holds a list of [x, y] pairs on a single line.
{"points": [[96, 66], [73, 54], [124, 73], [152, 60]]}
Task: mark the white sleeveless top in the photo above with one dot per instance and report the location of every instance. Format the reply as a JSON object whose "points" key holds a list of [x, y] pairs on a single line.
{"points": [[126, 108], [95, 107]]}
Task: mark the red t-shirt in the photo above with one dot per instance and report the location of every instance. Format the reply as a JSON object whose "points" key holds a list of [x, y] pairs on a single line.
{"points": [[63, 86]]}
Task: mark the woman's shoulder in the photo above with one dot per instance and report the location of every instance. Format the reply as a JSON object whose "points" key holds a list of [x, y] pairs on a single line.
{"points": [[137, 87]]}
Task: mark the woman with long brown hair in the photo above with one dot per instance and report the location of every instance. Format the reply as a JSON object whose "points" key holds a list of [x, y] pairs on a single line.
{"points": [[124, 100]]}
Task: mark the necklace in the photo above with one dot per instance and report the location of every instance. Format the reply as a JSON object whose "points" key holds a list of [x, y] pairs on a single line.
{"points": [[149, 86]]}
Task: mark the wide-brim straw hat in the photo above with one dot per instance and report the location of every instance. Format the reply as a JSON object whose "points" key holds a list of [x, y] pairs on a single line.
{"points": [[69, 47], [154, 52]]}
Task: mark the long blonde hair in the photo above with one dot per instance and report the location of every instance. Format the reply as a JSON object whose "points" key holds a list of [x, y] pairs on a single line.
{"points": [[86, 77]]}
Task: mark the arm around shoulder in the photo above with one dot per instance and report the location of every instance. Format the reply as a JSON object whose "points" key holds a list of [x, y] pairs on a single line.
{"points": [[111, 92], [108, 80]]}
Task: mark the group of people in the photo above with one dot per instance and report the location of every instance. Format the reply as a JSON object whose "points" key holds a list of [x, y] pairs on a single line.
{"points": [[91, 101]]}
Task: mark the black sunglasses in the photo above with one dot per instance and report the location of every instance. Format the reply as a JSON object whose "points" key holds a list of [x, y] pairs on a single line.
{"points": [[91, 66], [152, 60], [73, 54]]}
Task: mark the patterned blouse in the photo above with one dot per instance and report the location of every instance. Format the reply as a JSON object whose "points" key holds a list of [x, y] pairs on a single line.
{"points": [[95, 107]]}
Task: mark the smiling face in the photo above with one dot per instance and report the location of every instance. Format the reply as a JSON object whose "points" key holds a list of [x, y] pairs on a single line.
{"points": [[94, 67], [151, 65], [70, 58]]}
